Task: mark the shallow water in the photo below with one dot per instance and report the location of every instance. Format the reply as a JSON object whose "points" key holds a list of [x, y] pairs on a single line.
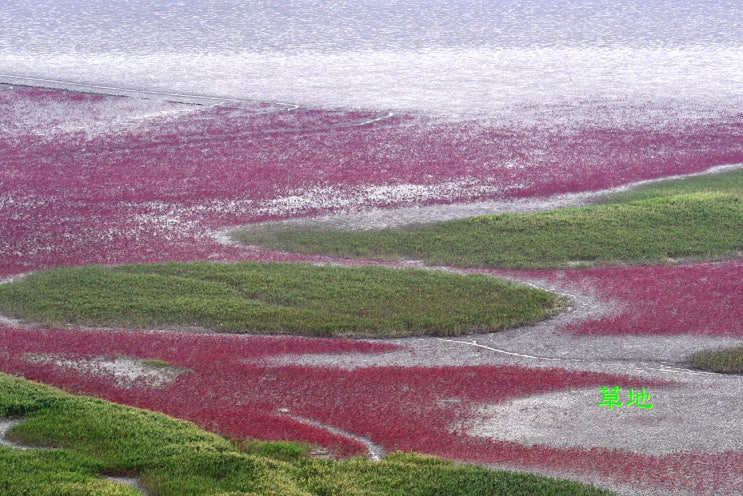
{"points": [[477, 59]]}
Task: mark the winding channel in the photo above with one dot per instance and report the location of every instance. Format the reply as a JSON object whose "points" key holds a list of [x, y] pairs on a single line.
{"points": [[542, 344], [679, 410]]}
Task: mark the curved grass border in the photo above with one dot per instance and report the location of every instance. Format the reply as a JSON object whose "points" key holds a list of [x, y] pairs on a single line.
{"points": [[722, 360], [94, 438], [276, 298], [687, 219]]}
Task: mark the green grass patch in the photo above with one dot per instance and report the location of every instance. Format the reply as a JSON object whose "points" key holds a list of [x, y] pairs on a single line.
{"points": [[280, 298], [725, 360], [287, 451], [92, 438], [730, 182], [155, 363], [694, 218]]}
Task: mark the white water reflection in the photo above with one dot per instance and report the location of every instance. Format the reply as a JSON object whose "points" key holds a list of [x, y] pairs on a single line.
{"points": [[452, 58]]}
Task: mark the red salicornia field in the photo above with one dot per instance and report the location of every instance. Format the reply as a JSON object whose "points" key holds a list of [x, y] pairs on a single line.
{"points": [[102, 179], [705, 298]]}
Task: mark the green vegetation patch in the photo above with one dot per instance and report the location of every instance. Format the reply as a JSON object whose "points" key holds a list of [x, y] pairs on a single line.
{"points": [[726, 360], [280, 298], [730, 182], [92, 438], [411, 474], [156, 363], [700, 217]]}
